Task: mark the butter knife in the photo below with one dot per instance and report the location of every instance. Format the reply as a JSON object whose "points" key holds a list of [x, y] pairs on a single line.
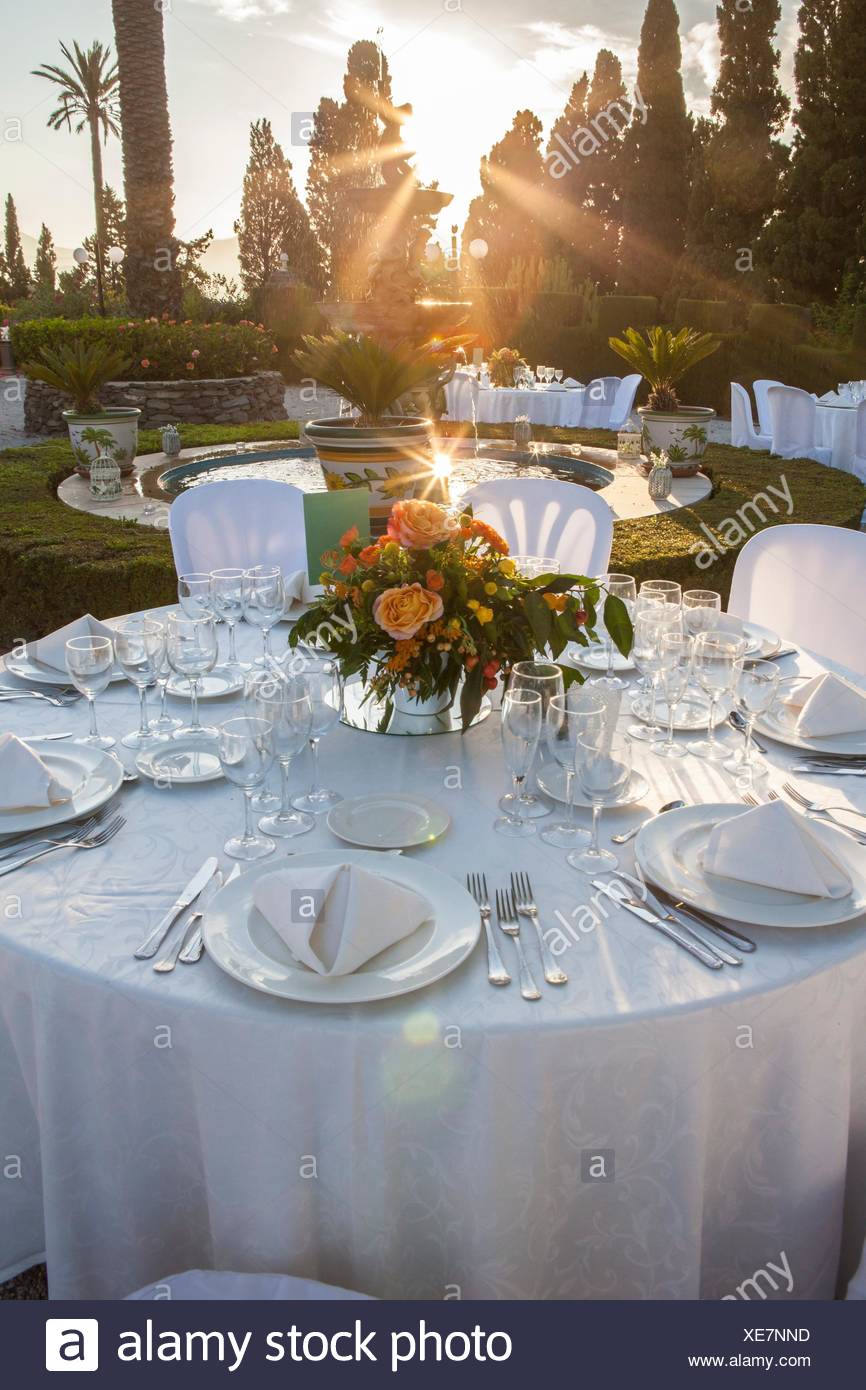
{"points": [[704, 954], [728, 934], [150, 947], [193, 948]]}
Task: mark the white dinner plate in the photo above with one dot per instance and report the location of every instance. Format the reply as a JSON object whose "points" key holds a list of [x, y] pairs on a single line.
{"points": [[27, 669], [780, 723], [181, 762], [390, 820], [243, 943], [551, 780], [669, 850], [693, 713], [210, 687], [94, 775], [595, 658], [763, 642]]}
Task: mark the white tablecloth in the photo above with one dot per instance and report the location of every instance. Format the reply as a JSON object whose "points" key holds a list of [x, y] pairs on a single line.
{"points": [[433, 1144], [836, 429], [501, 405]]}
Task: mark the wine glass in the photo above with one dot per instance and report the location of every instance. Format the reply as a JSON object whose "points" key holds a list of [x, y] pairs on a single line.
{"points": [[571, 718], [604, 769], [714, 662], [227, 597], [90, 661], [322, 677], [667, 589], [546, 678], [194, 595], [649, 627], [674, 676], [286, 704], [521, 727], [192, 652], [558, 374], [246, 753], [139, 645], [165, 723], [701, 610], [534, 566], [755, 688], [264, 603], [621, 586]]}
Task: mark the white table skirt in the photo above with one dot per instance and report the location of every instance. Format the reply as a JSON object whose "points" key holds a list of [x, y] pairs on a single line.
{"points": [[501, 405], [836, 429], [158, 1123]]}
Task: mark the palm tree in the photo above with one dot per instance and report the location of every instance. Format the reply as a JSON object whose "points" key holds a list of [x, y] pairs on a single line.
{"points": [[88, 97], [152, 275]]}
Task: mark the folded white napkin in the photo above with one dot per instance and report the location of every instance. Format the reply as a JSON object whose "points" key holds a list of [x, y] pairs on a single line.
{"points": [[828, 704], [774, 847], [571, 383], [336, 917], [51, 650], [25, 782], [298, 589]]}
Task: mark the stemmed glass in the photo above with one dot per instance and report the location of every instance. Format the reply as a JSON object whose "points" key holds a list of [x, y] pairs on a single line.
{"points": [[570, 719], [546, 678], [534, 566], [649, 628], [521, 728], [604, 769], [264, 603], [139, 644], [227, 597], [621, 586], [246, 753], [755, 689], [194, 595], [89, 661], [322, 678], [675, 673], [701, 610], [286, 705], [558, 374], [165, 723], [192, 652], [714, 662]]}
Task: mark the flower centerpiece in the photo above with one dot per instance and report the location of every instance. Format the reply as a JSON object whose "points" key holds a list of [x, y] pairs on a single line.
{"points": [[436, 606], [502, 365]]}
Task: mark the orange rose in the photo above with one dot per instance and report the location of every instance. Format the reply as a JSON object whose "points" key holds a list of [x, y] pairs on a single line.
{"points": [[348, 537], [348, 565], [434, 580], [403, 612], [369, 555], [417, 525]]}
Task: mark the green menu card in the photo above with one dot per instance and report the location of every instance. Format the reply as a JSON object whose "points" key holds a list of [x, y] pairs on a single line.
{"points": [[327, 516]]}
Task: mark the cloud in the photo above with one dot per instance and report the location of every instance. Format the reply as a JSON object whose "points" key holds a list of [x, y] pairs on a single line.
{"points": [[701, 52], [563, 53], [246, 9]]}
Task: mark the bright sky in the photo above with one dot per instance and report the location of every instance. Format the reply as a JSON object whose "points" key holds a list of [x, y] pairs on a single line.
{"points": [[467, 66]]}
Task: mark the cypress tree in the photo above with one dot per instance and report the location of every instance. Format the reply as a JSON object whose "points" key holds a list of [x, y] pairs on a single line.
{"points": [[16, 273], [566, 181], [45, 266], [504, 213], [273, 220], [609, 115]]}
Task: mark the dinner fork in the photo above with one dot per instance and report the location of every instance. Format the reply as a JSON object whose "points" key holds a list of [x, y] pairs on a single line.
{"points": [[79, 831], [8, 694], [848, 829], [93, 842], [496, 972], [506, 915], [816, 806], [524, 901]]}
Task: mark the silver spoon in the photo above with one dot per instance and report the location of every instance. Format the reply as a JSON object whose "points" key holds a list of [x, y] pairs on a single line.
{"points": [[627, 835], [736, 721]]}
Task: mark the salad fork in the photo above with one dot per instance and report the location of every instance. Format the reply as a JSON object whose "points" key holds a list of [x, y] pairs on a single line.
{"points": [[93, 842], [524, 901], [506, 915], [816, 806], [496, 972], [9, 693], [857, 835], [79, 831]]}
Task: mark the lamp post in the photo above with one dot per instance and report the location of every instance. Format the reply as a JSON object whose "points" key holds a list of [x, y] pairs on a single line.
{"points": [[82, 258]]}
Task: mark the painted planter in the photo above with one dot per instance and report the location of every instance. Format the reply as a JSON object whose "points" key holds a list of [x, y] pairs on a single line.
{"points": [[392, 460], [681, 434], [114, 430]]}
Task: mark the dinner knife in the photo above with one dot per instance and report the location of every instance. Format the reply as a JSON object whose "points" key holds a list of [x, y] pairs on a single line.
{"points": [[150, 947], [721, 929], [853, 769], [194, 949], [704, 954]]}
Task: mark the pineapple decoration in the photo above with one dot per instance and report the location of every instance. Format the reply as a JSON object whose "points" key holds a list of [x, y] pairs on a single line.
{"points": [[170, 441], [661, 478]]}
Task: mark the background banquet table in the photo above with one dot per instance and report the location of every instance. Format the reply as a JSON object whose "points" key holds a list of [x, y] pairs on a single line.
{"points": [[836, 429], [439, 1141], [502, 404]]}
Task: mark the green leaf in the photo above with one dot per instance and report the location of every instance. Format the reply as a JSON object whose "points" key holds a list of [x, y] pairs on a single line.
{"points": [[571, 676], [618, 623], [540, 619], [471, 696]]}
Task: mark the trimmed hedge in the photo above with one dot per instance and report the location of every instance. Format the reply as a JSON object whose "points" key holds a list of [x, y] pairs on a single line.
{"points": [[707, 315], [616, 312], [789, 323], [858, 336]]}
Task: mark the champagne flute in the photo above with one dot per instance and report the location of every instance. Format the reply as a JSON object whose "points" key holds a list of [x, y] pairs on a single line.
{"points": [[192, 652], [227, 598], [90, 661], [264, 603], [325, 687], [521, 727], [649, 628], [547, 679], [139, 645], [604, 770], [287, 707], [755, 690], [165, 723], [571, 718], [676, 660], [246, 753], [621, 586], [714, 662]]}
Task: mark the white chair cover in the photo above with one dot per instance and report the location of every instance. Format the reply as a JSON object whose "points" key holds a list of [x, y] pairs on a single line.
{"points": [[546, 517], [743, 432], [237, 524], [793, 415], [806, 583], [760, 388], [860, 447], [598, 402], [857, 1286], [623, 402], [220, 1284]]}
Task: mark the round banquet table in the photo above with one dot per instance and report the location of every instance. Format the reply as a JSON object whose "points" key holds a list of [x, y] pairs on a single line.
{"points": [[436, 1142], [836, 430], [497, 405]]}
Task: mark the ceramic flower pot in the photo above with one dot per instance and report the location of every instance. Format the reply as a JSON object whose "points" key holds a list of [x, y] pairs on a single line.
{"points": [[405, 704], [394, 460], [681, 434], [114, 431]]}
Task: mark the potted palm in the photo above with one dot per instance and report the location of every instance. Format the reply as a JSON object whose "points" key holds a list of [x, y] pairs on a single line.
{"points": [[663, 358], [81, 370], [386, 445]]}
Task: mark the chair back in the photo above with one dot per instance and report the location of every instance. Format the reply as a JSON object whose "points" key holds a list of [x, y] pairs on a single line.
{"points": [[237, 524], [623, 401], [860, 446], [598, 400], [760, 389], [742, 425], [806, 583], [546, 517], [792, 416]]}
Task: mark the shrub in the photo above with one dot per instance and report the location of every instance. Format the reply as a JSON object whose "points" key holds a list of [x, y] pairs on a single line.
{"points": [[789, 323], [858, 333], [159, 350], [616, 312], [494, 314], [709, 315]]}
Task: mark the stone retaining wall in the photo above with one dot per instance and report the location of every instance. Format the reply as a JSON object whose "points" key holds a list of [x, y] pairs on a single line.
{"points": [[235, 400]]}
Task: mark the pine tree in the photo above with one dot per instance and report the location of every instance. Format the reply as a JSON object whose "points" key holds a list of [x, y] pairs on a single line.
{"points": [[655, 158], [16, 273], [566, 181], [504, 214], [45, 266], [273, 221], [609, 115]]}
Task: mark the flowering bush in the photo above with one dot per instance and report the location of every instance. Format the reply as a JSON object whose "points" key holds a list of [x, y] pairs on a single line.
{"points": [[437, 602], [502, 364], [158, 349]]}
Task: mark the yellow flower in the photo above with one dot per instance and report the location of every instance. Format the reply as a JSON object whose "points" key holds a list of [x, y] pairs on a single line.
{"points": [[367, 585], [490, 589], [506, 566], [335, 482], [473, 604], [484, 615]]}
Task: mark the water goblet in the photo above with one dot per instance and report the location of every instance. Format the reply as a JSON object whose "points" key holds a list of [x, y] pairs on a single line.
{"points": [[227, 598], [194, 595], [571, 718], [139, 645], [621, 586], [558, 374], [674, 676], [191, 646], [604, 770], [246, 753], [714, 658], [649, 628], [701, 610], [668, 589], [547, 679], [755, 690], [521, 727], [325, 687], [264, 603], [286, 704], [534, 566], [89, 661]]}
